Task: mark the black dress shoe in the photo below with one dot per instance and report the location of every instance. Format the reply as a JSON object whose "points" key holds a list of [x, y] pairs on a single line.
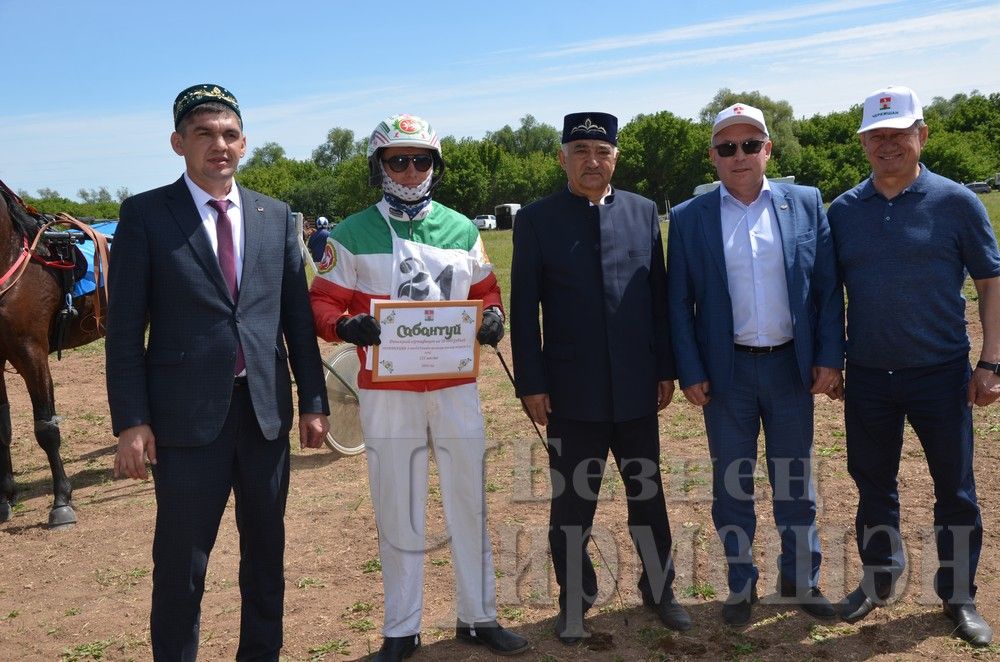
{"points": [[492, 635], [737, 608], [969, 624], [395, 649], [671, 613], [857, 604], [809, 599], [570, 634]]}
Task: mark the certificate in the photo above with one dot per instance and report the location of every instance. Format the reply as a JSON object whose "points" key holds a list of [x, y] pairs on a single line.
{"points": [[426, 340]]}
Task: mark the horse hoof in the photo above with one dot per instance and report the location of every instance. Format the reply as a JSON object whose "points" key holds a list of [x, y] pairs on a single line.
{"points": [[62, 517], [5, 511]]}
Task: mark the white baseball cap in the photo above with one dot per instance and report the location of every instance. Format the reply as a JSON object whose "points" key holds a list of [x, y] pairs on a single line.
{"points": [[739, 113], [893, 107]]}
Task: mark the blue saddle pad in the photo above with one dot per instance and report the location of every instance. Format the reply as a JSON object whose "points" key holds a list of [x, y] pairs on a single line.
{"points": [[88, 283]]}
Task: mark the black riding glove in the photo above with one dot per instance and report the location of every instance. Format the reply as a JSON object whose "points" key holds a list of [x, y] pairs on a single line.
{"points": [[491, 331], [362, 330]]}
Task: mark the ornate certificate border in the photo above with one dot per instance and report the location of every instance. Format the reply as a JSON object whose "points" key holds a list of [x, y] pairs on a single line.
{"points": [[426, 340]]}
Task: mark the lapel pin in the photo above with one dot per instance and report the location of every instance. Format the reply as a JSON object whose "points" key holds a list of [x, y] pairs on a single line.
{"points": [[260, 209], [784, 207]]}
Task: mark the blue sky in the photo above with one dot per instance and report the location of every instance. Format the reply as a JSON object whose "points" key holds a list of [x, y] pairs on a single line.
{"points": [[88, 86]]}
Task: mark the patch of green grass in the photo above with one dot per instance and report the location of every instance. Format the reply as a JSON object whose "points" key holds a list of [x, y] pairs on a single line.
{"points": [[830, 451], [499, 245], [371, 565], [361, 624], [73, 611], [90, 651], [693, 482], [741, 649], [110, 577], [511, 613], [360, 608], [11, 615], [437, 563], [309, 582], [823, 633], [339, 646], [492, 487], [702, 590], [93, 349]]}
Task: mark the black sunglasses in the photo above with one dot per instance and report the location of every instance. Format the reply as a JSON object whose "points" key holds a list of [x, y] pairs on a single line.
{"points": [[400, 163], [748, 146]]}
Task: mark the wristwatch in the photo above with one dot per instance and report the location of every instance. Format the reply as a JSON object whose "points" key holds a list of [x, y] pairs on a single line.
{"points": [[992, 367]]}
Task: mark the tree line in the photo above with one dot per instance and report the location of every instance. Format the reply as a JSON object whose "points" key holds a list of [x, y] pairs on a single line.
{"points": [[662, 156]]}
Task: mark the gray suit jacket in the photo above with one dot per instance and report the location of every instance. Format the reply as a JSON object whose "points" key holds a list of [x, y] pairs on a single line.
{"points": [[701, 312], [164, 271]]}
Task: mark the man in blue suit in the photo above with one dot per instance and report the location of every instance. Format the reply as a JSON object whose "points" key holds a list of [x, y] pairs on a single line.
{"points": [[215, 270], [591, 257], [756, 316]]}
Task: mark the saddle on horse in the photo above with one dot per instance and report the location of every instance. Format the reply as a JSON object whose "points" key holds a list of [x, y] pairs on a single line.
{"points": [[53, 245]]}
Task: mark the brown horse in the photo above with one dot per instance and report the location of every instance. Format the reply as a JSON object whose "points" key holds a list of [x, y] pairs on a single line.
{"points": [[28, 312]]}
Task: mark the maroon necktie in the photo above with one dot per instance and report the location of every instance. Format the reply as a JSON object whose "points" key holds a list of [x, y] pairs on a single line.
{"points": [[227, 262]]}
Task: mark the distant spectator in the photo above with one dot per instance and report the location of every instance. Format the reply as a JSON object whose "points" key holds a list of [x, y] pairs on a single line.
{"points": [[317, 242]]}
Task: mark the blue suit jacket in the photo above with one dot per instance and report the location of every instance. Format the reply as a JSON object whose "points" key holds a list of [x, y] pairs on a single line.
{"points": [[701, 312], [165, 271], [598, 274]]}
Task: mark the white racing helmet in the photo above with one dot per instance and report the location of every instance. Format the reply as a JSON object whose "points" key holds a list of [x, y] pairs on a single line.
{"points": [[322, 223], [403, 131]]}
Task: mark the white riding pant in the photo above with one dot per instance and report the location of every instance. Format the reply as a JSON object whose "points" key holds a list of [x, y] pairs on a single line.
{"points": [[400, 427]]}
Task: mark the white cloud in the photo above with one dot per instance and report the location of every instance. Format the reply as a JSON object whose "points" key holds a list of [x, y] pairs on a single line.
{"points": [[820, 57]]}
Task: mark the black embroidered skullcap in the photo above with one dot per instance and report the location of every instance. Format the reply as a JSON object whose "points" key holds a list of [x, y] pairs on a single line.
{"points": [[196, 95], [590, 126]]}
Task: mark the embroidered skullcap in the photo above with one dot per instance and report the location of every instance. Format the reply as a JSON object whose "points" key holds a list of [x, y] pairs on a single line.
{"points": [[590, 126], [196, 95]]}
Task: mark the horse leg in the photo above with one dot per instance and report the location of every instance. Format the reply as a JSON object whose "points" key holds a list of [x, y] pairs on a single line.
{"points": [[39, 382], [6, 466]]}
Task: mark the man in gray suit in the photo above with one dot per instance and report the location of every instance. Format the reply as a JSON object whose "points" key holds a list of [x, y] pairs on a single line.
{"points": [[216, 272]]}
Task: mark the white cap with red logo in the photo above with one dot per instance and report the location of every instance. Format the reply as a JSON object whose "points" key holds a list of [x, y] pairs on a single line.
{"points": [[893, 107], [739, 113]]}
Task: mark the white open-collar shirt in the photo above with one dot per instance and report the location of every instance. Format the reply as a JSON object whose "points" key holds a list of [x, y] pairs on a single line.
{"points": [[755, 265]]}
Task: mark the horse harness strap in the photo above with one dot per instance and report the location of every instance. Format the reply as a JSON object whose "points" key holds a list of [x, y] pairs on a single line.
{"points": [[8, 280]]}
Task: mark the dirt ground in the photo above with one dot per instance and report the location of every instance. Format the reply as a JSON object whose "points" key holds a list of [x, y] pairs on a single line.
{"points": [[84, 593]]}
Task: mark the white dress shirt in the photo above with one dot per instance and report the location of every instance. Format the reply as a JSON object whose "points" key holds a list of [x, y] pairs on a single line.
{"points": [[209, 218], [755, 265]]}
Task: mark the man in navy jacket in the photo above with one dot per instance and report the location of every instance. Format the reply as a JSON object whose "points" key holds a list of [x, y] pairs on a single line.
{"points": [[591, 257], [757, 323], [216, 272]]}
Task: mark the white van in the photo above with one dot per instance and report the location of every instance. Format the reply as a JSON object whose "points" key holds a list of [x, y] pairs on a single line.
{"points": [[485, 222]]}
